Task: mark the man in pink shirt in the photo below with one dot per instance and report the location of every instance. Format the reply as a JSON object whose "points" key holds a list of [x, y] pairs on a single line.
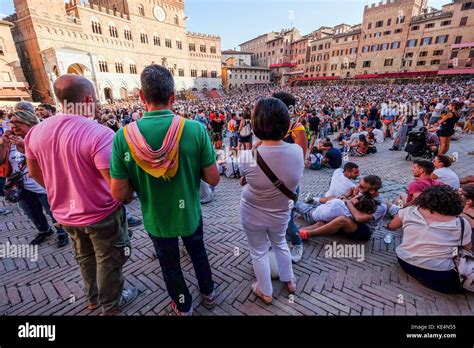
{"points": [[69, 155], [422, 171]]}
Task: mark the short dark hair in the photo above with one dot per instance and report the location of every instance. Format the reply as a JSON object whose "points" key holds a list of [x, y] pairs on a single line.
{"points": [[157, 84], [48, 107], [374, 181], [427, 166], [445, 160], [286, 98], [270, 119], [434, 199], [328, 144], [350, 166]]}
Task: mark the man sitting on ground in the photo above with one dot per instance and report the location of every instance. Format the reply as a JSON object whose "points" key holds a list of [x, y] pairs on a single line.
{"points": [[361, 226], [332, 157]]}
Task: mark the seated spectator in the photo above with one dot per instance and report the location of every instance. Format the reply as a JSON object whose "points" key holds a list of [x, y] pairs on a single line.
{"points": [[332, 156], [360, 148], [422, 171], [467, 193], [341, 183], [378, 134], [443, 173], [361, 226], [315, 160], [333, 209], [431, 231], [371, 140]]}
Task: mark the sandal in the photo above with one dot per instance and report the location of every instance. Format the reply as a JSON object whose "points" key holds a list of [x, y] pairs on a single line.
{"points": [[291, 286], [266, 299]]}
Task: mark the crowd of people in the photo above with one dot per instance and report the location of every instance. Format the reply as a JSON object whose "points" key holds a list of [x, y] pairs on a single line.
{"points": [[83, 165]]}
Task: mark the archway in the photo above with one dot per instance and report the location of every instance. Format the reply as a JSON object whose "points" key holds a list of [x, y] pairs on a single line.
{"points": [[108, 94], [123, 93], [78, 69]]}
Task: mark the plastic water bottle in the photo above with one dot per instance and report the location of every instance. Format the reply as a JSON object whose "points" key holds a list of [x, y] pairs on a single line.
{"points": [[388, 238]]}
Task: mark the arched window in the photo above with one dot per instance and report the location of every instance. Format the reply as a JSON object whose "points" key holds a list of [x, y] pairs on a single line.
{"points": [[168, 43], [204, 72], [181, 72], [213, 49], [141, 10], [176, 20], [133, 67], [202, 48], [214, 74], [96, 27], [118, 67], [179, 43], [127, 33], [144, 38], [194, 72], [103, 66], [113, 30], [192, 47], [156, 40]]}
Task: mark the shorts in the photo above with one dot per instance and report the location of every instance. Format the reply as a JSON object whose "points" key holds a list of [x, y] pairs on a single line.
{"points": [[445, 133], [247, 139], [362, 233]]}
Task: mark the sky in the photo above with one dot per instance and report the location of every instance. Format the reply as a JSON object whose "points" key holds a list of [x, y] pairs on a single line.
{"points": [[237, 21]]}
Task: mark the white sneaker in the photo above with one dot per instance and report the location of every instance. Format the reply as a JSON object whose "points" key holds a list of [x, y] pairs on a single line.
{"points": [[297, 253]]}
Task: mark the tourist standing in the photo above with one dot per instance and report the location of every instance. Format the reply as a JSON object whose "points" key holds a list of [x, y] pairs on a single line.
{"points": [[69, 154], [150, 158]]}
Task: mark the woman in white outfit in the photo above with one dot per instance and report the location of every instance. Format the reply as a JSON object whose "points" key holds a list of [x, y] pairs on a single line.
{"points": [[264, 209]]}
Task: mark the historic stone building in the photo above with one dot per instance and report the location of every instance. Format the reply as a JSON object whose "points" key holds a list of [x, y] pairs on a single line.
{"points": [[236, 72], [110, 42], [12, 81], [395, 38]]}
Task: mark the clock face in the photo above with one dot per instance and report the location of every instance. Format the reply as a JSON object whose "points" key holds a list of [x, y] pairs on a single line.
{"points": [[159, 13]]}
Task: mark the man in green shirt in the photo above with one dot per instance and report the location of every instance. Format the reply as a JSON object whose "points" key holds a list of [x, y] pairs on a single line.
{"points": [[163, 158]]}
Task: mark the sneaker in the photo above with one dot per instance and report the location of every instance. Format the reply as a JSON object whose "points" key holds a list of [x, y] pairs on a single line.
{"points": [[40, 237], [297, 253], [176, 311], [4, 211], [309, 198], [128, 295], [63, 240], [210, 300], [133, 221]]}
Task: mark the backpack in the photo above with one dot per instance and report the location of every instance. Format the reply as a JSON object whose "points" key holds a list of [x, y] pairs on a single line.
{"points": [[246, 131], [464, 262]]}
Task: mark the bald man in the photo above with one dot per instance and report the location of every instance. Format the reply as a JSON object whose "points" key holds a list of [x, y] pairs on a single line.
{"points": [[69, 154]]}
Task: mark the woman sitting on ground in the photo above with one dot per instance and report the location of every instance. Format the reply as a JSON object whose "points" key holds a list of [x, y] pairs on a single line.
{"points": [[467, 193], [431, 231], [443, 173], [360, 148]]}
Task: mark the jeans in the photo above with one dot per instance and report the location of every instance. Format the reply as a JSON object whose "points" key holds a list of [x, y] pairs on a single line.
{"points": [[2, 184], [257, 237], [234, 139], [33, 204], [292, 231], [167, 250], [305, 210], [101, 250]]}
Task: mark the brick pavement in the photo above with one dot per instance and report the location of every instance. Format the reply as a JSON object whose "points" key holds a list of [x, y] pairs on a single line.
{"points": [[326, 286]]}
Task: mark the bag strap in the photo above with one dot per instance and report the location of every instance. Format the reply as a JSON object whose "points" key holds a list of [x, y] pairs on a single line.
{"points": [[274, 179], [462, 230]]}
